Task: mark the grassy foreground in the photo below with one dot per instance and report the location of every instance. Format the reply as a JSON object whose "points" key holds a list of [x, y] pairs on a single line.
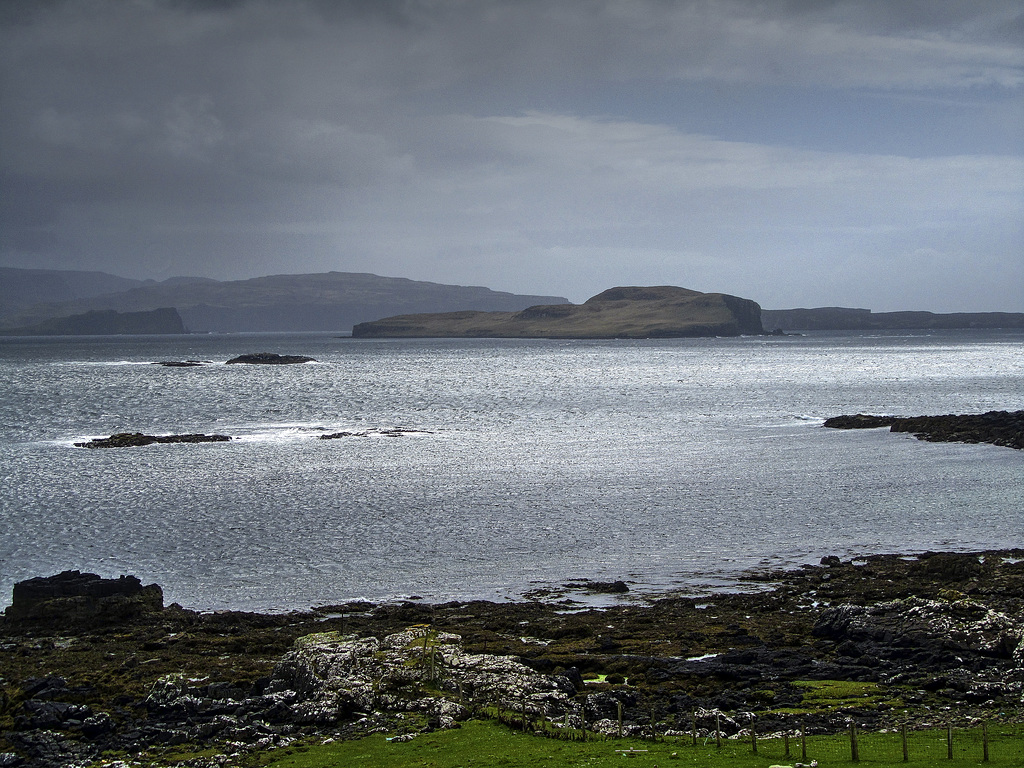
{"points": [[481, 743]]}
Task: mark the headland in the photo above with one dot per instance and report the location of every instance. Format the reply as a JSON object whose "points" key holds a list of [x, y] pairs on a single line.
{"points": [[631, 312]]}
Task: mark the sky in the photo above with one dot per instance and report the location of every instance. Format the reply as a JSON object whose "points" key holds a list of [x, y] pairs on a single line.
{"points": [[801, 153]]}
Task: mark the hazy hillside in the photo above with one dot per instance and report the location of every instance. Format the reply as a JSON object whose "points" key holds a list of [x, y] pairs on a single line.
{"points": [[632, 312], [107, 322], [22, 288], [333, 301]]}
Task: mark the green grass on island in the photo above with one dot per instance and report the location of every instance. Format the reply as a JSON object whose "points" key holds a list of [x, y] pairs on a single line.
{"points": [[486, 743]]}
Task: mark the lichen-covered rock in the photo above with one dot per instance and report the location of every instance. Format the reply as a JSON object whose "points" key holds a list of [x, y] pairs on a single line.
{"points": [[335, 676], [958, 625]]}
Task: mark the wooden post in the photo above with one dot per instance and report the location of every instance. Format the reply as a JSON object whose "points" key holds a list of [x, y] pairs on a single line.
{"points": [[854, 751], [695, 727], [718, 730], [524, 713], [949, 741], [618, 705], [984, 741], [906, 754], [753, 738], [785, 742], [583, 720], [803, 741]]}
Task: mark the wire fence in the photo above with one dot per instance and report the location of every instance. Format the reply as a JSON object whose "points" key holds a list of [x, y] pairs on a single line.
{"points": [[981, 743], [996, 744]]}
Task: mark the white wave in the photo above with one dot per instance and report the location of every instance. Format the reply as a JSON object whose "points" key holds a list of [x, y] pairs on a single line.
{"points": [[265, 433]]}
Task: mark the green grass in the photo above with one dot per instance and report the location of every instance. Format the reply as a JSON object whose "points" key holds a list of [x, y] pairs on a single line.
{"points": [[482, 743], [830, 695]]}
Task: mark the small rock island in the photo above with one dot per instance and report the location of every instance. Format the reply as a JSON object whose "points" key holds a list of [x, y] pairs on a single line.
{"points": [[630, 312], [269, 358]]}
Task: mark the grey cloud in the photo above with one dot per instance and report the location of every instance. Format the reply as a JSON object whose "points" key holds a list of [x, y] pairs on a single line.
{"points": [[238, 137]]}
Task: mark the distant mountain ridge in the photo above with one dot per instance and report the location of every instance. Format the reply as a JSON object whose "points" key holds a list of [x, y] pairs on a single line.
{"points": [[331, 301], [627, 312], [337, 301]]}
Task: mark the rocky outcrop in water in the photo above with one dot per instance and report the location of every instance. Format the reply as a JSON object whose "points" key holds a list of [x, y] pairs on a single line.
{"points": [[73, 598], [1004, 428], [270, 358], [137, 439]]}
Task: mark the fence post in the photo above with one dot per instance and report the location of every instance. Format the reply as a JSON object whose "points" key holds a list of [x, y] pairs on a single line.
{"points": [[753, 738], [718, 730], [984, 741], [906, 756], [618, 705], [695, 727], [803, 740], [949, 741], [854, 751]]}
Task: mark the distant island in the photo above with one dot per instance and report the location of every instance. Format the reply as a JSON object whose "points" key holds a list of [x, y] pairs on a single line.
{"points": [[632, 312], [106, 322], [851, 319]]}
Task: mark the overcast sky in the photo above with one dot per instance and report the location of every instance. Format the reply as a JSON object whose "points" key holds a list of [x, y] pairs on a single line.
{"points": [[863, 153]]}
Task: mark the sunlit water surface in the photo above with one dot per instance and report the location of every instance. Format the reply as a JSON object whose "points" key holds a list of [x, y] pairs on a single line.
{"points": [[669, 464]]}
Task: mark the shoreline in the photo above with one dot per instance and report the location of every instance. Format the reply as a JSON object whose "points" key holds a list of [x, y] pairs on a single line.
{"points": [[922, 638]]}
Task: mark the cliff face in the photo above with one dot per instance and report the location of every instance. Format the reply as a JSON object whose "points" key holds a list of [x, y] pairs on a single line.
{"points": [[632, 312]]}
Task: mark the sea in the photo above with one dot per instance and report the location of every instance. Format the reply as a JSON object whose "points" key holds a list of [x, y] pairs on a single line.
{"points": [[492, 469]]}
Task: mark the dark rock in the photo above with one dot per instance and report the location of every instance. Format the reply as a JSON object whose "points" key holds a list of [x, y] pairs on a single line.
{"points": [[97, 725], [73, 598], [1005, 428], [44, 687], [573, 676], [859, 421], [607, 587], [270, 358], [136, 439]]}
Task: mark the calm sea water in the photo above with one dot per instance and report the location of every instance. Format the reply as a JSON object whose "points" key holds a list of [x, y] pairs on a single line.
{"points": [[670, 463]]}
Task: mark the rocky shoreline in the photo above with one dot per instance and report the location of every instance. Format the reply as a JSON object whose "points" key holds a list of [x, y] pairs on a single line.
{"points": [[93, 665], [1004, 428]]}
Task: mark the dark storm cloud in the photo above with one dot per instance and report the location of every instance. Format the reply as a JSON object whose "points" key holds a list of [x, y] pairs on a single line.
{"points": [[792, 151]]}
